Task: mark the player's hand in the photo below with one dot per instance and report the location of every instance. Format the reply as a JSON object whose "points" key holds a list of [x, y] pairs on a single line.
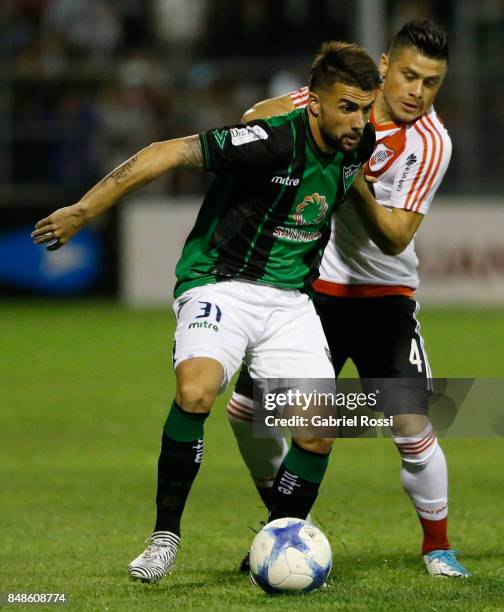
{"points": [[359, 180], [363, 182], [59, 227], [367, 143]]}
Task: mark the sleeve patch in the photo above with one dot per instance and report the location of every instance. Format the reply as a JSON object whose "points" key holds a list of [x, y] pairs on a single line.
{"points": [[220, 136], [250, 133]]}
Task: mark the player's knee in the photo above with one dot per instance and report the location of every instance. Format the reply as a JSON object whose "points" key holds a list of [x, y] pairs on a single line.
{"points": [[406, 425], [417, 448], [192, 396], [316, 445]]}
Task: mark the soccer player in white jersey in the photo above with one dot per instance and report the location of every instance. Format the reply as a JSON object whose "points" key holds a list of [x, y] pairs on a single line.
{"points": [[368, 275]]}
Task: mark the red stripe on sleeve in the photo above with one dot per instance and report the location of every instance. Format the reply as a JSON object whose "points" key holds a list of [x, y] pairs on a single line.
{"points": [[438, 162], [420, 169], [417, 200]]}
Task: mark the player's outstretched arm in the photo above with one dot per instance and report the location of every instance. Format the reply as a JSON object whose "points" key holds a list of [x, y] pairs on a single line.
{"points": [[146, 165], [269, 108], [390, 229]]}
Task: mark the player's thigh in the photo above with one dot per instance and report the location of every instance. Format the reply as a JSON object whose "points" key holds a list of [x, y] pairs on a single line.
{"points": [[389, 344], [391, 356], [244, 384], [210, 325], [295, 351], [294, 345], [334, 314]]}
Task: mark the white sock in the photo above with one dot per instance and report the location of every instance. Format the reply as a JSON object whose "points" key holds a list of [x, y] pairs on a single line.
{"points": [[262, 456], [424, 475]]}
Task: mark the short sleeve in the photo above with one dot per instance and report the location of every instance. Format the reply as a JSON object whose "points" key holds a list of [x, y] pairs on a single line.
{"points": [[421, 167], [253, 146]]}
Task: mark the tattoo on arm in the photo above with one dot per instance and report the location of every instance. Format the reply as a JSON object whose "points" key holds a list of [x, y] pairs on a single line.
{"points": [[192, 154], [120, 172]]}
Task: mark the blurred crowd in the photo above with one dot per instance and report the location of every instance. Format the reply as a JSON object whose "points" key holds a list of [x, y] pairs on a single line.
{"points": [[86, 83]]}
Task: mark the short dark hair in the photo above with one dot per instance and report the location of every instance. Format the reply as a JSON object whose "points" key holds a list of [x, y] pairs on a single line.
{"points": [[340, 62], [425, 36]]}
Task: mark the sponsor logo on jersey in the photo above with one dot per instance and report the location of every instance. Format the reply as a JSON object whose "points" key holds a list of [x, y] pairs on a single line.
{"points": [[380, 157], [250, 133], [296, 235], [285, 180], [312, 209], [410, 160], [348, 174]]}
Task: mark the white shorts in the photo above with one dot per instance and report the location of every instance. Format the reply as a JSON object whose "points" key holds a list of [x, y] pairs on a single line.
{"points": [[277, 331]]}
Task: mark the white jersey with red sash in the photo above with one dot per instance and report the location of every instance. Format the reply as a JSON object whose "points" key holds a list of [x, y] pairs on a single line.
{"points": [[408, 163]]}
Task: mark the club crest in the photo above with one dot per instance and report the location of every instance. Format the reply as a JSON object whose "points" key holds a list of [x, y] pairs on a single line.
{"points": [[311, 210]]}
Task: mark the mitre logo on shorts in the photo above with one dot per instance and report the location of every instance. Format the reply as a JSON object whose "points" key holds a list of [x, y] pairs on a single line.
{"points": [[311, 210], [380, 157], [250, 133]]}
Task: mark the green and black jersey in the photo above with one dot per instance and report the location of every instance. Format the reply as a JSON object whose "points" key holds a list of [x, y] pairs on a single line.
{"points": [[266, 217]]}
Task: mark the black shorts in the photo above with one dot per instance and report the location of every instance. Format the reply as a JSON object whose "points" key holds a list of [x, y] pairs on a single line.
{"points": [[382, 337]]}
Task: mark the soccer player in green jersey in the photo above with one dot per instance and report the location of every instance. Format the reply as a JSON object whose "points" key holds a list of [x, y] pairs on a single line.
{"points": [[255, 248]]}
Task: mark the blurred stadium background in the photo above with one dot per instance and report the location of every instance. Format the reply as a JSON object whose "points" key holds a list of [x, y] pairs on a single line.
{"points": [[86, 379], [86, 83]]}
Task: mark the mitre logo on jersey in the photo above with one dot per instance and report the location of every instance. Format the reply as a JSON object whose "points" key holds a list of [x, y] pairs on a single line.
{"points": [[311, 210], [250, 133], [285, 180], [380, 157]]}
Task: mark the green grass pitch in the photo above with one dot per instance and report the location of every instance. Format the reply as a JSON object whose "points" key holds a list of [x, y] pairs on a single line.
{"points": [[85, 389]]}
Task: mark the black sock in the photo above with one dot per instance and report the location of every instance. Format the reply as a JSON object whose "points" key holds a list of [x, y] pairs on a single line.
{"points": [[300, 499], [297, 483], [178, 465]]}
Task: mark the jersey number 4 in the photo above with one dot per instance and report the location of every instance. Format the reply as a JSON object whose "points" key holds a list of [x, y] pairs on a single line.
{"points": [[414, 356]]}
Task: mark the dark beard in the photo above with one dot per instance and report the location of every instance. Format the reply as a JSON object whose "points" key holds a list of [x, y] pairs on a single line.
{"points": [[329, 140]]}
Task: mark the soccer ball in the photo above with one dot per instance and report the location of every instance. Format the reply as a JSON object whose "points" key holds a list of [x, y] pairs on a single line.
{"points": [[290, 554]]}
